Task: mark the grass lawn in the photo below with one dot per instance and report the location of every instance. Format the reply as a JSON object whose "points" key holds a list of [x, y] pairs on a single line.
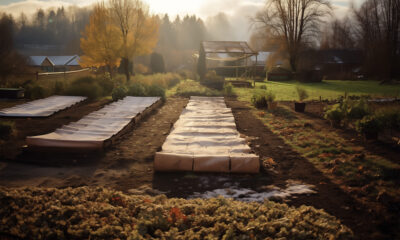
{"points": [[328, 89]]}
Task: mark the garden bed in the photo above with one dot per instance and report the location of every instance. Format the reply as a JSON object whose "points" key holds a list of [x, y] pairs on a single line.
{"points": [[99, 213]]}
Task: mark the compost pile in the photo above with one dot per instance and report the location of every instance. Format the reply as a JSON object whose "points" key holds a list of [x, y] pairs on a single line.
{"points": [[101, 213]]}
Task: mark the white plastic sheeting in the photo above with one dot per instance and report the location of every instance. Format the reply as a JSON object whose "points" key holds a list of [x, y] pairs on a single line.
{"points": [[42, 107], [205, 139], [91, 131]]}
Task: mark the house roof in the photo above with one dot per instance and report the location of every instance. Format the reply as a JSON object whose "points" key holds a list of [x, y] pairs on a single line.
{"points": [[55, 60], [227, 47], [36, 60]]}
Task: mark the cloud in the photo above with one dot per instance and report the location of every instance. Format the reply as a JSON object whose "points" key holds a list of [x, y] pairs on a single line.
{"points": [[29, 7]]}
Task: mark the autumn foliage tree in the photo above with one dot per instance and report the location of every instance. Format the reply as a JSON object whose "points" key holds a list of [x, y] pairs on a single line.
{"points": [[117, 32], [138, 29], [101, 42]]}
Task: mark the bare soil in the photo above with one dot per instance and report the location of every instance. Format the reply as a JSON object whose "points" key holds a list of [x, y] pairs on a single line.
{"points": [[128, 165]]}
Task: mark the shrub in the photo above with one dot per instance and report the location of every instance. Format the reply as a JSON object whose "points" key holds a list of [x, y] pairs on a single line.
{"points": [[212, 80], [335, 114], [36, 91], [357, 109], [192, 88], [6, 129], [106, 83], [165, 80], [389, 117], [302, 93], [259, 99], [369, 125], [228, 90], [119, 93], [137, 89], [85, 86], [264, 87], [155, 91], [187, 74], [59, 87]]}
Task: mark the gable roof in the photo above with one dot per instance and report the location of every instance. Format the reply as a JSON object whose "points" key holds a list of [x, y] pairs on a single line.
{"points": [[55, 60], [36, 60]]}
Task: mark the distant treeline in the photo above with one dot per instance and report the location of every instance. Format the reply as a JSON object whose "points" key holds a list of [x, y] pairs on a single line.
{"points": [[58, 31]]}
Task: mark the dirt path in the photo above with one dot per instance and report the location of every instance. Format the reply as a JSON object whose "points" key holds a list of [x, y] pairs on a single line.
{"points": [[290, 165]]}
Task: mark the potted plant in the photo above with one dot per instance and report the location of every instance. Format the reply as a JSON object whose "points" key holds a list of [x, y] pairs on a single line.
{"points": [[300, 106], [270, 97], [370, 127], [335, 115]]}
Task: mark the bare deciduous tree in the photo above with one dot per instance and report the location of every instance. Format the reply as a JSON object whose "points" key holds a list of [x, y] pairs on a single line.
{"points": [[295, 20], [379, 26], [340, 34]]}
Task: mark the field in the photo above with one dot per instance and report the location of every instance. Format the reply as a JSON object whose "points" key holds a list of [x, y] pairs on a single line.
{"points": [[327, 89], [304, 161]]}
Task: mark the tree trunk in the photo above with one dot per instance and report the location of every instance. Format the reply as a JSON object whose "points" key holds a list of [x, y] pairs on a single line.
{"points": [[292, 61], [125, 62]]}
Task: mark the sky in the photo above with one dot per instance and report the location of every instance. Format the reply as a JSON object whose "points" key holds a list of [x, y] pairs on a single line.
{"points": [[238, 11]]}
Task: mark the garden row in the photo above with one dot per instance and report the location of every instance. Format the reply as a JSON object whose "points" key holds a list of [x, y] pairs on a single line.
{"points": [[99, 213], [350, 112]]}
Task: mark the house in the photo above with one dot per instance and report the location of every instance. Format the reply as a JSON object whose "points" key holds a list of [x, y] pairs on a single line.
{"points": [[333, 63], [54, 63]]}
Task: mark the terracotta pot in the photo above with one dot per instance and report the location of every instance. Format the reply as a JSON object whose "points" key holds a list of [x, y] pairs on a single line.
{"points": [[299, 106]]}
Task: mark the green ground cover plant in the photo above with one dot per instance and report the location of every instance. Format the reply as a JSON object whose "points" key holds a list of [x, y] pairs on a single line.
{"points": [[100, 213], [327, 89]]}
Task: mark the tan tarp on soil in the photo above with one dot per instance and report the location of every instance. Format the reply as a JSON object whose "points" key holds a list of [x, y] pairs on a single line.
{"points": [[42, 107], [95, 128], [205, 139]]}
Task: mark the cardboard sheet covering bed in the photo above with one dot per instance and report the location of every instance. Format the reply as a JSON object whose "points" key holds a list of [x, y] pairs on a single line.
{"points": [[42, 107], [205, 139], [94, 129]]}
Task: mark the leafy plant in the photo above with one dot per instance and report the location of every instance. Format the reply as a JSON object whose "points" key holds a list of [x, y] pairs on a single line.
{"points": [[302, 93], [137, 89], [335, 114], [85, 86], [106, 83], [369, 125], [212, 80], [119, 93], [155, 91], [259, 99], [389, 117], [59, 87], [228, 89], [357, 109], [36, 91], [101, 213]]}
